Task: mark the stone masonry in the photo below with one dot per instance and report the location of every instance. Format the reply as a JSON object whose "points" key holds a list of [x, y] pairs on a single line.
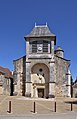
{"points": [[43, 72]]}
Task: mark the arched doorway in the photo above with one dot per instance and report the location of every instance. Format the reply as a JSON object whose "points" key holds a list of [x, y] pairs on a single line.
{"points": [[40, 80]]}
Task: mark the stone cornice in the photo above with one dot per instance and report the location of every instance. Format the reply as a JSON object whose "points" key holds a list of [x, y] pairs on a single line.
{"points": [[27, 82], [52, 62], [27, 62], [52, 82]]}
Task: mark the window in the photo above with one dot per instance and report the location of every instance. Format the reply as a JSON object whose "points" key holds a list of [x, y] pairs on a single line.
{"points": [[40, 70], [40, 46], [34, 46], [45, 46]]}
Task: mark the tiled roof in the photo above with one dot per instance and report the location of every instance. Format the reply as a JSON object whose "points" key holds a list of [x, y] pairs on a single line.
{"points": [[2, 71], [40, 31], [6, 71]]}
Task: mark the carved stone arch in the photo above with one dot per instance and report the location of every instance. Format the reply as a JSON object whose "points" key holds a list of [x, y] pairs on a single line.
{"points": [[40, 80]]}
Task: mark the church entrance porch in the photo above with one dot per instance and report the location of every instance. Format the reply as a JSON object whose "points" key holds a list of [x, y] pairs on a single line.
{"points": [[40, 81]]}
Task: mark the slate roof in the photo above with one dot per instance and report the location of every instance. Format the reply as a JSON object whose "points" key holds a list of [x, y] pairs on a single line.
{"points": [[40, 31], [6, 72]]}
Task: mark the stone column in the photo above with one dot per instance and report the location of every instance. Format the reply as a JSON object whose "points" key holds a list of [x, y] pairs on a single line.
{"points": [[51, 82], [28, 79]]}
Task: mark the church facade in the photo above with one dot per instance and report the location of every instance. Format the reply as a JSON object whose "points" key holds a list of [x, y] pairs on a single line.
{"points": [[43, 72]]}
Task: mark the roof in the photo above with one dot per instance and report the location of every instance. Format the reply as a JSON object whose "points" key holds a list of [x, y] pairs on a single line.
{"points": [[6, 71], [62, 58], [20, 58], [40, 31], [2, 71], [75, 85], [59, 49]]}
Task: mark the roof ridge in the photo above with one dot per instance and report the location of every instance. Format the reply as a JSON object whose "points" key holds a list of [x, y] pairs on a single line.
{"points": [[41, 25]]}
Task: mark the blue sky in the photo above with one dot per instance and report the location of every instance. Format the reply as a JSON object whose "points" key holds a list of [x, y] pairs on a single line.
{"points": [[17, 18]]}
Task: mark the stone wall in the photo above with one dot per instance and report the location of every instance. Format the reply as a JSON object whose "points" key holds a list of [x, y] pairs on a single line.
{"points": [[75, 92], [4, 85], [61, 78], [19, 76]]}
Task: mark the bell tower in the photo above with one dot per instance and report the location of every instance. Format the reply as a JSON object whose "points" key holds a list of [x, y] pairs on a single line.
{"points": [[40, 50]]}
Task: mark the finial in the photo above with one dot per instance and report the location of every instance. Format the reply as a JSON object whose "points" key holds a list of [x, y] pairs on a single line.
{"points": [[46, 24], [35, 24]]}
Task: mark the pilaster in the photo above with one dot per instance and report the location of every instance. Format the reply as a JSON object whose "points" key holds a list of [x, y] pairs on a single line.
{"points": [[52, 49], [27, 49], [69, 84], [52, 82], [28, 79]]}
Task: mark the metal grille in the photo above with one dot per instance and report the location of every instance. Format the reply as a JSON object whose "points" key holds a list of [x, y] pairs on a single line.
{"points": [[34, 46], [45, 46]]}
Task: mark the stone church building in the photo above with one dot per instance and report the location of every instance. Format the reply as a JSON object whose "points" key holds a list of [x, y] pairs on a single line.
{"points": [[43, 72], [6, 81]]}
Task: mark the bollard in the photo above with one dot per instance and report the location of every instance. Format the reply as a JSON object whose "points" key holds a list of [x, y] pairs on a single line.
{"points": [[71, 106], [9, 107], [34, 108], [55, 107]]}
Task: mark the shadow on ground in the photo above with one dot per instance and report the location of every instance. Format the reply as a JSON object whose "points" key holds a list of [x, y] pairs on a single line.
{"points": [[71, 102]]}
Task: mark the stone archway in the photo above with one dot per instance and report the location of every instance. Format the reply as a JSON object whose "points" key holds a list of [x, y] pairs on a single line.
{"points": [[40, 80]]}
